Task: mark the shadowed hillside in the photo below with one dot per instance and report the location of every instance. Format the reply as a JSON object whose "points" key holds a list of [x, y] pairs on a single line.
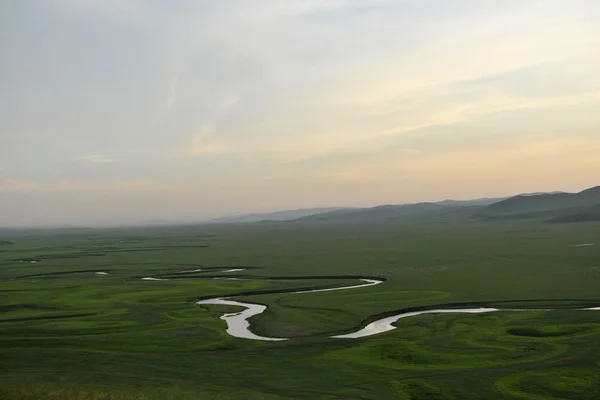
{"points": [[545, 202], [556, 206]]}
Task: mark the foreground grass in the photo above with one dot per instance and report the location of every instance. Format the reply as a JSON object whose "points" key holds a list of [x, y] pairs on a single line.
{"points": [[53, 393], [37, 391]]}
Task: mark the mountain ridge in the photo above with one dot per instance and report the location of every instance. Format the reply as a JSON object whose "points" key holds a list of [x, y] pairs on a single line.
{"points": [[525, 205], [545, 202]]}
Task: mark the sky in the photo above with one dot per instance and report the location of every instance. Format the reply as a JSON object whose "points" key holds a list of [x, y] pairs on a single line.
{"points": [[120, 111]]}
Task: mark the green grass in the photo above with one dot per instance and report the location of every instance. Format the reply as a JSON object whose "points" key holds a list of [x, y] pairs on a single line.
{"points": [[68, 333]]}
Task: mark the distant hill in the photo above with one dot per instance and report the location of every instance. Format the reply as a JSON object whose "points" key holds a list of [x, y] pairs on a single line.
{"points": [[399, 211], [544, 202], [287, 215], [556, 207], [376, 213], [351, 213], [5, 243], [565, 207]]}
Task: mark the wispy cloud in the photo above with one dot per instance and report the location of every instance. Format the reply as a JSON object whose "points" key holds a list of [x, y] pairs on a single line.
{"points": [[560, 156], [99, 159], [172, 94], [447, 81], [29, 186], [204, 142]]}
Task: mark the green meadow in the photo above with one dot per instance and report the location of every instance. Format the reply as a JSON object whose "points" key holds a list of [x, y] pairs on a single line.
{"points": [[78, 322]]}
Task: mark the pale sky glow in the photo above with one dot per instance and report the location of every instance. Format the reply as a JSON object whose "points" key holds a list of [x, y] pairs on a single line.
{"points": [[132, 110]]}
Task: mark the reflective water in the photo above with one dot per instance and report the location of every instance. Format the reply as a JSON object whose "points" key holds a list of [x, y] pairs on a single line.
{"points": [[385, 324]]}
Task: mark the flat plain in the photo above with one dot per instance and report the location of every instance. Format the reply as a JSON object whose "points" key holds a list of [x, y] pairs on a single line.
{"points": [[77, 321]]}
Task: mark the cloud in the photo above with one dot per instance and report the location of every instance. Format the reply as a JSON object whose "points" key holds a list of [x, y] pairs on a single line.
{"points": [[204, 143], [230, 101], [206, 149], [501, 162], [459, 77], [28, 186], [99, 159], [365, 133], [172, 95]]}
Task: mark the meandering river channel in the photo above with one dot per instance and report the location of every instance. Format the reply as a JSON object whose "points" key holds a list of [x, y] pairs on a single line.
{"points": [[238, 324]]}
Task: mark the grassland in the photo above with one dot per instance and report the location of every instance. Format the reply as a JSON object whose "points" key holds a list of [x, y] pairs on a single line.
{"points": [[68, 332]]}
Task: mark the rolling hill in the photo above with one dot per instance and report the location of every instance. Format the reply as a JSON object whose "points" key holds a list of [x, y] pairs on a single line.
{"points": [[523, 204], [555, 206], [401, 211]]}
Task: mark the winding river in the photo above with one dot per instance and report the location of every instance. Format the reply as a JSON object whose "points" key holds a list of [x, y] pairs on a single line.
{"points": [[239, 326], [237, 323], [385, 324]]}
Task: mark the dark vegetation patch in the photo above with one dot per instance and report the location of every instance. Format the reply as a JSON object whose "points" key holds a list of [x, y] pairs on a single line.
{"points": [[158, 248], [577, 216], [593, 271], [6, 243], [47, 317], [208, 236], [515, 216], [541, 332], [17, 307], [42, 257], [558, 383]]}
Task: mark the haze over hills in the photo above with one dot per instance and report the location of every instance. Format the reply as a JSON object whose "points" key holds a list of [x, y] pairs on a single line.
{"points": [[559, 206], [538, 193], [374, 213], [285, 215], [556, 206], [565, 207], [325, 213], [476, 202]]}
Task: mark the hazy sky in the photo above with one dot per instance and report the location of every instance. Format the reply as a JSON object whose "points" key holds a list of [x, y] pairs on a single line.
{"points": [[119, 111]]}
